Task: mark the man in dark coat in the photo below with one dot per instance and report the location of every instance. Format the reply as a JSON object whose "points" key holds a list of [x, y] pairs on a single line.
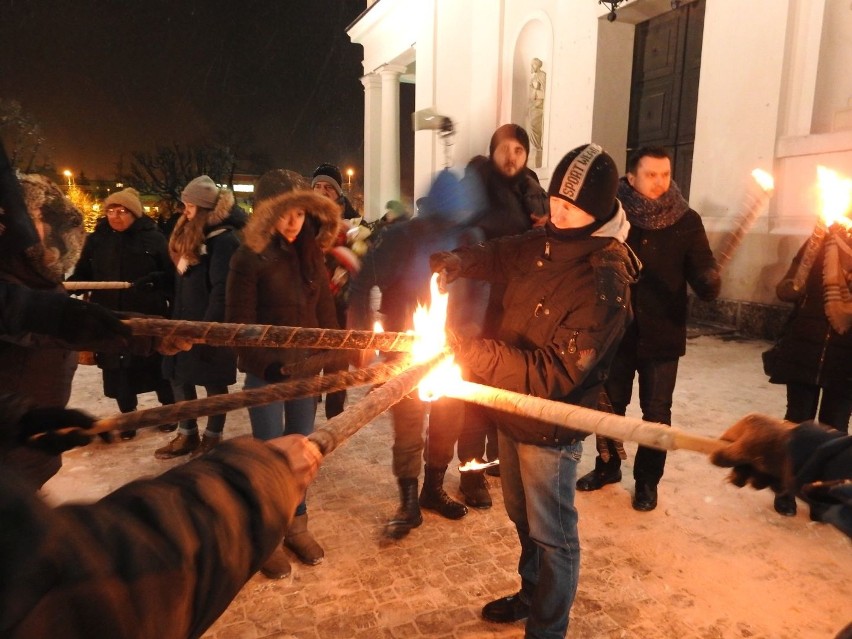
{"points": [[127, 246], [515, 203], [398, 264], [669, 239], [566, 305]]}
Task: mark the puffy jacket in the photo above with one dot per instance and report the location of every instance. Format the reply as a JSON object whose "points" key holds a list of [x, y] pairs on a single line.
{"points": [[274, 282], [566, 306]]}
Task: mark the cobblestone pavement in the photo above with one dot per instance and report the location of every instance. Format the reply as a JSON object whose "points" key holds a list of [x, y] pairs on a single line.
{"points": [[711, 562]]}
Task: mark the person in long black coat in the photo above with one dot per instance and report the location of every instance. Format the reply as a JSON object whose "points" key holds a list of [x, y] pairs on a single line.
{"points": [[127, 246], [201, 247]]}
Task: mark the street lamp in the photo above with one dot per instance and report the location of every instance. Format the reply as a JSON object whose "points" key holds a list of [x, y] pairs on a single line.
{"points": [[349, 174], [68, 176]]}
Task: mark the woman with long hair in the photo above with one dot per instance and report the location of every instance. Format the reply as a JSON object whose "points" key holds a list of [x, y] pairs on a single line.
{"points": [[201, 246]]}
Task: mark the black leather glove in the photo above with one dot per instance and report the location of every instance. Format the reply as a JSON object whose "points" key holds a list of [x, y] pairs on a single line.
{"points": [[150, 281], [757, 453], [38, 429], [447, 263], [334, 403], [273, 373], [85, 323]]}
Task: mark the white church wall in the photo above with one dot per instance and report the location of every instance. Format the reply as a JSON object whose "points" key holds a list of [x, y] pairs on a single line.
{"points": [[737, 126]]}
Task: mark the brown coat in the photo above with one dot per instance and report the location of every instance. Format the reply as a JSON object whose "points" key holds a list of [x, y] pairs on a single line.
{"points": [[274, 282], [159, 557]]}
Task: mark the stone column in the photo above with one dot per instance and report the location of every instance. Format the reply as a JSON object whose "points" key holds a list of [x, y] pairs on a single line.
{"points": [[372, 146], [389, 181]]}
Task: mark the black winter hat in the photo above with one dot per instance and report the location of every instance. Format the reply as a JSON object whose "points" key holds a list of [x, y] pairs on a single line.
{"points": [[330, 174], [511, 132], [587, 178]]}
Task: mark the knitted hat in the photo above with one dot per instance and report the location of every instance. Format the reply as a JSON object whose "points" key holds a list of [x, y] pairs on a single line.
{"points": [[128, 198], [330, 174], [509, 132], [202, 191], [588, 179], [277, 182]]}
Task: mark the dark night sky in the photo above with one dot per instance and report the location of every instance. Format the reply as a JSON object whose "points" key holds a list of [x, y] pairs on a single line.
{"points": [[105, 78]]}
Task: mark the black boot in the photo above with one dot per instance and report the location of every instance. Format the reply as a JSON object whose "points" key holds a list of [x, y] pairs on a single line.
{"points": [[433, 496], [408, 516]]}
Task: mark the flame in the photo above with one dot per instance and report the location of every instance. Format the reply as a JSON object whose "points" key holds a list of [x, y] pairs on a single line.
{"points": [[473, 464], [378, 328], [764, 180], [430, 341], [836, 194]]}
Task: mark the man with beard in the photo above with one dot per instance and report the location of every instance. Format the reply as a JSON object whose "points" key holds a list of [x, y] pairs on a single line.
{"points": [[515, 204], [669, 239]]}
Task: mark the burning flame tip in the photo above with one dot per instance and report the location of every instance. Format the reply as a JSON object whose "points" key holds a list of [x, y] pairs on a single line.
{"points": [[764, 179]]}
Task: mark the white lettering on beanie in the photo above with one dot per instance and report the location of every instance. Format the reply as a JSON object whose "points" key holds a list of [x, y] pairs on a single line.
{"points": [[575, 174]]}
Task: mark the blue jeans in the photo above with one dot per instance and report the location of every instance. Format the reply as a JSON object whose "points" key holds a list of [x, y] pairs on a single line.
{"points": [[292, 417], [538, 491], [657, 379]]}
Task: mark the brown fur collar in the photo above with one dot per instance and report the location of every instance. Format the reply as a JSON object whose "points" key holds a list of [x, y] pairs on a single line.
{"points": [[260, 228]]}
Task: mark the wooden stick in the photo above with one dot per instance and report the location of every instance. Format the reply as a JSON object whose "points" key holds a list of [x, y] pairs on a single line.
{"points": [[219, 404], [756, 200], [263, 335], [585, 419], [95, 286], [814, 244], [340, 428]]}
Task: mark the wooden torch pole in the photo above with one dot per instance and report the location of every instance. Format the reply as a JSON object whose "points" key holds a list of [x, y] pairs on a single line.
{"points": [[585, 419]]}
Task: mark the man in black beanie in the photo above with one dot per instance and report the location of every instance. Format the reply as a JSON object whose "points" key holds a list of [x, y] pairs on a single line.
{"points": [[515, 203], [669, 240], [567, 303]]}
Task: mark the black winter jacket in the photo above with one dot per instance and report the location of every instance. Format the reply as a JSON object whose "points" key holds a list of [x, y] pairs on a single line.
{"points": [[810, 351], [200, 296], [671, 258], [566, 305], [126, 256]]}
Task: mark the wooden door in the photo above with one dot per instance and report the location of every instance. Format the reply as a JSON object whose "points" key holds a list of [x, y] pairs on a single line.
{"points": [[664, 88]]}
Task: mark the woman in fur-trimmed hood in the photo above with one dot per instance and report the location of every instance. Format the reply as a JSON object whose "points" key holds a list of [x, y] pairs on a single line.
{"points": [[201, 246], [38, 368], [278, 276]]}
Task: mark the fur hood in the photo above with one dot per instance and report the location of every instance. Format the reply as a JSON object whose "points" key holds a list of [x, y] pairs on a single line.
{"points": [[64, 233], [325, 213]]}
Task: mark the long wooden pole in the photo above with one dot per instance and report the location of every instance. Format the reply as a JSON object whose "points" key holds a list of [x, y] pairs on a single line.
{"points": [[218, 404], [757, 197], [263, 335], [95, 286], [585, 419], [338, 429]]}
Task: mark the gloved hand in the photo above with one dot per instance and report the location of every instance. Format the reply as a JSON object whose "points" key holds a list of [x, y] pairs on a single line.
{"points": [[38, 429], [150, 281], [334, 403], [757, 453], [274, 373], [85, 323], [448, 265], [171, 345]]}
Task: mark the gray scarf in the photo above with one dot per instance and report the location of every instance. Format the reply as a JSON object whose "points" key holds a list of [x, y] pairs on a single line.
{"points": [[652, 214]]}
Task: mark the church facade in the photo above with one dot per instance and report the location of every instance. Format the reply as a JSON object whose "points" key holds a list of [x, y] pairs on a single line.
{"points": [[727, 86]]}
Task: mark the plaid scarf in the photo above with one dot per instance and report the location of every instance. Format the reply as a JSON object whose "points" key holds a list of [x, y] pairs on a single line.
{"points": [[652, 214], [837, 279]]}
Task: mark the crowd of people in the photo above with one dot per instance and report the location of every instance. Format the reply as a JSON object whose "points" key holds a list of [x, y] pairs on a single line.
{"points": [[565, 294]]}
